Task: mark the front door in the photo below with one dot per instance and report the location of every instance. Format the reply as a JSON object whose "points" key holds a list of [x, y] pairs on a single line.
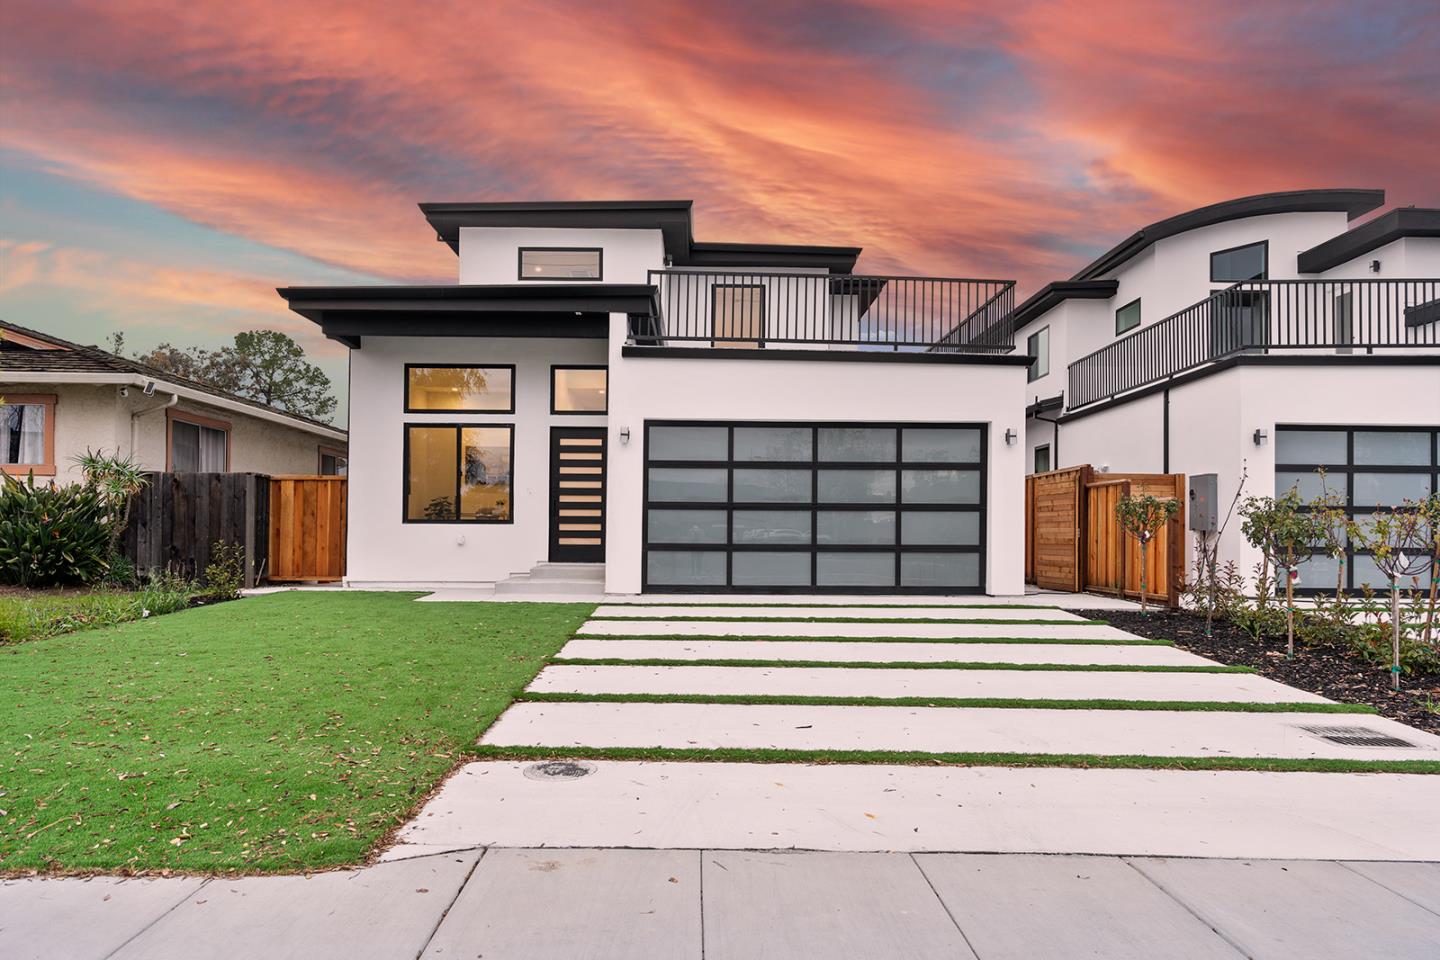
{"points": [[577, 494]]}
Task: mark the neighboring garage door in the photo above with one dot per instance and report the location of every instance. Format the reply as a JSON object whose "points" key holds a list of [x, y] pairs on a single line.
{"points": [[814, 507]]}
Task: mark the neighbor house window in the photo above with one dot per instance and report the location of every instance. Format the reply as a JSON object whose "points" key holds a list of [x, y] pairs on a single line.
{"points": [[1038, 346], [738, 311], [550, 263], [333, 462], [451, 388], [1238, 264], [1042, 458], [197, 444], [27, 434], [458, 473], [577, 389], [1128, 316]]}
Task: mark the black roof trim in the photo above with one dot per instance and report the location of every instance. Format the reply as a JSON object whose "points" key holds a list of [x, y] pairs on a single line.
{"points": [[1386, 228], [1051, 295], [1353, 203], [1422, 313], [671, 217], [1044, 406]]}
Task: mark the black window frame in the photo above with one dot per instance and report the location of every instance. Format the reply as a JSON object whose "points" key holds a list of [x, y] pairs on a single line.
{"points": [[814, 507], [1035, 457], [1139, 317], [715, 289], [459, 429], [599, 264], [1030, 372], [1264, 246], [451, 411], [1347, 471], [556, 367]]}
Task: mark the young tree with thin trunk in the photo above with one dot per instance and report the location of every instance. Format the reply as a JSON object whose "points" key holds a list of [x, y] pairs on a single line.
{"points": [[1285, 532], [1400, 543], [1142, 518]]}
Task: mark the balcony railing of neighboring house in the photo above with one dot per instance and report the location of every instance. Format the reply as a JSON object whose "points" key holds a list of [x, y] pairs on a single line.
{"points": [[764, 309], [1264, 317]]}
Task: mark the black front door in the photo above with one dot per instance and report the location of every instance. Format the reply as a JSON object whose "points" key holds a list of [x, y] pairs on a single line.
{"points": [[577, 494]]}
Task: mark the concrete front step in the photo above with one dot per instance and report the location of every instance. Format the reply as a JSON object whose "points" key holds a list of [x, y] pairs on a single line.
{"points": [[745, 628], [515, 587], [593, 572], [949, 730], [660, 612], [690, 806], [881, 651], [959, 684]]}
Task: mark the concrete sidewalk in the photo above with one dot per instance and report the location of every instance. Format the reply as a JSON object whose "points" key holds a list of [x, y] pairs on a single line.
{"points": [[743, 905]]}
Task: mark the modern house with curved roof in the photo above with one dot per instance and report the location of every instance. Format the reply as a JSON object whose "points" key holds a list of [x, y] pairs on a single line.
{"points": [[1265, 337]]}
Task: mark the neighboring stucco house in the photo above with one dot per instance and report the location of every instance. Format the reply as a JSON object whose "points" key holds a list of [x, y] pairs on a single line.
{"points": [[1257, 335], [601, 388], [62, 398]]}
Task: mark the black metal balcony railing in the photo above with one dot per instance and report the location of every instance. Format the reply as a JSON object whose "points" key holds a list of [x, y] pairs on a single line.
{"points": [[1263, 316], [762, 309]]}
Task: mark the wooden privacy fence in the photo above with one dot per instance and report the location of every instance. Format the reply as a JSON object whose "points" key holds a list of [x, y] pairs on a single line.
{"points": [[292, 527], [307, 528], [1073, 540]]}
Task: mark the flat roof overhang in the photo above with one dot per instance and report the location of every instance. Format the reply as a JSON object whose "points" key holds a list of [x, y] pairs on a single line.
{"points": [[578, 310]]}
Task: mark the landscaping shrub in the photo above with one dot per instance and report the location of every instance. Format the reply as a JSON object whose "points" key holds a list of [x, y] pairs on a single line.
{"points": [[52, 536], [225, 574]]}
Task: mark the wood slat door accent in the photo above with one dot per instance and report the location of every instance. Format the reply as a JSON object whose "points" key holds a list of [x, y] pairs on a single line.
{"points": [[1113, 559], [577, 494], [307, 528], [1056, 516]]}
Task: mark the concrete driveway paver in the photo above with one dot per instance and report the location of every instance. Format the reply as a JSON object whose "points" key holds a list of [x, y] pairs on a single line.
{"points": [[662, 612], [1299, 910], [860, 682], [388, 910], [947, 729], [826, 906], [939, 631], [1417, 882], [1066, 908], [1184, 813], [82, 919], [883, 651], [576, 904]]}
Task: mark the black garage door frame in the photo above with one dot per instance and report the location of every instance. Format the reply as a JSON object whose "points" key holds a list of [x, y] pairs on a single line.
{"points": [[814, 507]]}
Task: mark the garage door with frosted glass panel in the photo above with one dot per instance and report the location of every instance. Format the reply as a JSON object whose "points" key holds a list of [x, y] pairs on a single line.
{"points": [[814, 507]]}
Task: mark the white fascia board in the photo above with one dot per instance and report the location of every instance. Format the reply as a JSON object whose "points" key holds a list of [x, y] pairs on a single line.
{"points": [[188, 393]]}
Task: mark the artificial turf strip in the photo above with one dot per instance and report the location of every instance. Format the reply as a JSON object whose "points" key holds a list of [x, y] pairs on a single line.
{"points": [[281, 732], [1002, 703], [1037, 622], [917, 758], [1095, 641], [899, 665]]}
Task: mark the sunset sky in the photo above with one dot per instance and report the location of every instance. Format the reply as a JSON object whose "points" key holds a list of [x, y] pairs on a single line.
{"points": [[165, 165]]}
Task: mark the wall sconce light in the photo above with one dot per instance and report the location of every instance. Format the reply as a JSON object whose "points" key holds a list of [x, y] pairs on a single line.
{"points": [[1374, 266], [1010, 437], [1260, 437], [624, 434]]}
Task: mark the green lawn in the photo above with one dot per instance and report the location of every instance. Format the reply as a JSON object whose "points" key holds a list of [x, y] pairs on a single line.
{"points": [[273, 733]]}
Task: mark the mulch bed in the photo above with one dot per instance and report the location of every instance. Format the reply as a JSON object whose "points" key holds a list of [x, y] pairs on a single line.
{"points": [[1332, 671]]}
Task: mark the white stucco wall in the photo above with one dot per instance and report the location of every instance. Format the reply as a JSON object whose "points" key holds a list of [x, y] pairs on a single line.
{"points": [[1409, 258], [491, 254], [772, 390], [383, 548]]}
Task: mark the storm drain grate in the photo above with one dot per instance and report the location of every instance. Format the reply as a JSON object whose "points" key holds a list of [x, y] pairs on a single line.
{"points": [[559, 770], [1357, 737]]}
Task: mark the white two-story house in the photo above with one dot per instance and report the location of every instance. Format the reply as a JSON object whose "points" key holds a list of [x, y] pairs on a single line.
{"points": [[1262, 336], [601, 388]]}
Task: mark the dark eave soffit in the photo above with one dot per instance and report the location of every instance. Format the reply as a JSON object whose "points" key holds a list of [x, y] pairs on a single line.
{"points": [[1051, 295], [1392, 226], [1353, 203]]}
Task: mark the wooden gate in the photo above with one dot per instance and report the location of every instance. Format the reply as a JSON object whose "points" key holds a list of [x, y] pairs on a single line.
{"points": [[1073, 541], [307, 528]]}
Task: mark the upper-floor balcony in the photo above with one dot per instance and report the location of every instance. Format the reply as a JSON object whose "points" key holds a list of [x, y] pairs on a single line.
{"points": [[1298, 317], [824, 311]]}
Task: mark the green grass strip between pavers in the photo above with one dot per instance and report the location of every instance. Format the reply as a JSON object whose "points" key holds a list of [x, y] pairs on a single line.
{"points": [[999, 703], [899, 665], [1036, 622], [842, 606], [976, 759], [1095, 641]]}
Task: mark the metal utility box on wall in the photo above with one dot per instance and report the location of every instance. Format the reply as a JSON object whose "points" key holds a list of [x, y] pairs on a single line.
{"points": [[1202, 503]]}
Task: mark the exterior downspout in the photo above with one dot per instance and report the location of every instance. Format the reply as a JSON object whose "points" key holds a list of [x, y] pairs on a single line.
{"points": [[135, 416], [1055, 443], [1165, 468]]}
